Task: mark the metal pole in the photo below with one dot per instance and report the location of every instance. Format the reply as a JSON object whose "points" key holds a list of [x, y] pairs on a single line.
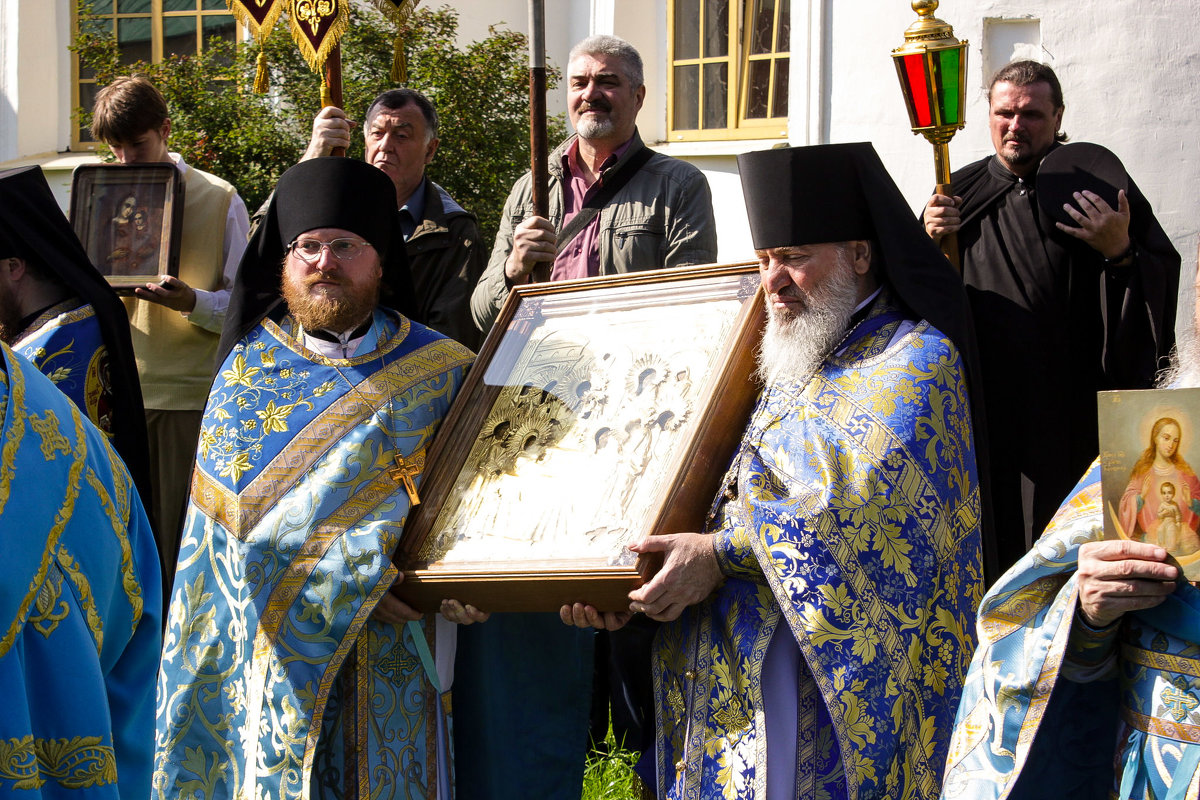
{"points": [[941, 165]]}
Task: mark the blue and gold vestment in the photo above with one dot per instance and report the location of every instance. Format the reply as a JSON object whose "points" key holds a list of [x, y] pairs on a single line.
{"points": [[1013, 736], [80, 603], [851, 515], [275, 680], [66, 345]]}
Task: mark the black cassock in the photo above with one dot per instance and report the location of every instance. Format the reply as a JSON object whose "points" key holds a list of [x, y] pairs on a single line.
{"points": [[1054, 326]]}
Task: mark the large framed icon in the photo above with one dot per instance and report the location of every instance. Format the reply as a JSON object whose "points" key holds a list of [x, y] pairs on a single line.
{"points": [[129, 220], [599, 411]]}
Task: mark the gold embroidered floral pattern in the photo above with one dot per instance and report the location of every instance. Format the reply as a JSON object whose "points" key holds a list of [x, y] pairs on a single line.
{"points": [[129, 580], [49, 608], [52, 440], [314, 12], [77, 763], [83, 590]]}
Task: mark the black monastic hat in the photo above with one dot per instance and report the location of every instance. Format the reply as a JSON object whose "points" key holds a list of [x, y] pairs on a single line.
{"points": [[34, 228], [842, 192], [330, 192]]}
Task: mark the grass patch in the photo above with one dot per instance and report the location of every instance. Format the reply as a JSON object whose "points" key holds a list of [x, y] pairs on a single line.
{"points": [[609, 774]]}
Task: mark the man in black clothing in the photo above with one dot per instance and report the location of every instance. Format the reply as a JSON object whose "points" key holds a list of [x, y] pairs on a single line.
{"points": [[1061, 311]]}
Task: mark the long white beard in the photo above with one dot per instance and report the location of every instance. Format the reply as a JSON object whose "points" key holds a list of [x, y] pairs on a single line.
{"points": [[1184, 372], [795, 345]]}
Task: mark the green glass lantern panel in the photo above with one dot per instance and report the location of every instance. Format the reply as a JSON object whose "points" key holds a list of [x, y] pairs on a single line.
{"points": [[946, 65]]}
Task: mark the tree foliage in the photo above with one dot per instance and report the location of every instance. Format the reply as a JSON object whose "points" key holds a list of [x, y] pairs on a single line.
{"points": [[219, 125]]}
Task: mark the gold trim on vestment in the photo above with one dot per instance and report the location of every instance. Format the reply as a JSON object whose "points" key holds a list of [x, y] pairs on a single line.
{"points": [[65, 510], [321, 698], [239, 513], [362, 712], [1156, 726], [296, 344], [129, 579], [56, 313], [1016, 610], [83, 589], [1163, 662]]}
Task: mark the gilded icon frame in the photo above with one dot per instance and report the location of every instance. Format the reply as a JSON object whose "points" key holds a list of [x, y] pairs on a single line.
{"points": [[599, 411]]}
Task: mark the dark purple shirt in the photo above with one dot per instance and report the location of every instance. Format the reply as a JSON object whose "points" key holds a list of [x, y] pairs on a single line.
{"points": [[581, 258]]}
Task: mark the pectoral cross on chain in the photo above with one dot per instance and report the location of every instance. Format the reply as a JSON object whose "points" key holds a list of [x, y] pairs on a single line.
{"points": [[406, 470]]}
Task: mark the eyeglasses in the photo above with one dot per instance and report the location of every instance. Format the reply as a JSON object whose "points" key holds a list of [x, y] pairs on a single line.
{"points": [[341, 249]]}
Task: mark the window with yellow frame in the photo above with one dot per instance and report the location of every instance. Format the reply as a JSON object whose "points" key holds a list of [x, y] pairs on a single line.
{"points": [[146, 30], [729, 69]]}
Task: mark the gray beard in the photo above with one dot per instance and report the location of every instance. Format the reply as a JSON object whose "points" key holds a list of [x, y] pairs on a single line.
{"points": [[795, 345], [592, 128], [1184, 372]]}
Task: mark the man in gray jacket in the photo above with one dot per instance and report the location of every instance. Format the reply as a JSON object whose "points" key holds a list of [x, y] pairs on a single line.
{"points": [[615, 206], [661, 216]]}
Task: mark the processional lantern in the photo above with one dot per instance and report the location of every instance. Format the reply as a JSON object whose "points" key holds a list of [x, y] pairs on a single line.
{"points": [[932, 67]]}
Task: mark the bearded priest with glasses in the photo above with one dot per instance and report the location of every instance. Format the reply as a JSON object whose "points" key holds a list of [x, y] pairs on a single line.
{"points": [[289, 669]]}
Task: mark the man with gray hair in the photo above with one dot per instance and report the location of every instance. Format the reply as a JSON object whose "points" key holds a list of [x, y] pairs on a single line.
{"points": [[442, 240], [615, 205]]}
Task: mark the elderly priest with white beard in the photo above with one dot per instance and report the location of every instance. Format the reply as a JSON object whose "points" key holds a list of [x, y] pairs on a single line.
{"points": [[820, 626]]}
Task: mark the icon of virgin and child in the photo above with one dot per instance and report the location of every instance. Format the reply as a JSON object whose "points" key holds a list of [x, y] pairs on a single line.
{"points": [[1161, 502]]}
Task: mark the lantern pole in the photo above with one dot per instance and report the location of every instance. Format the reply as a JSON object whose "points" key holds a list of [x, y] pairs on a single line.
{"points": [[932, 67]]}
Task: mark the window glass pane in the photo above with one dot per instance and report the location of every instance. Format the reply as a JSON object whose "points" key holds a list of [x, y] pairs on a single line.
{"points": [[96, 6], [687, 28], [716, 28], [716, 93], [96, 27], [218, 29], [758, 84], [783, 37], [762, 27], [179, 36], [133, 39], [221, 27], [179, 5], [685, 106], [87, 98], [779, 106], [214, 5], [133, 6]]}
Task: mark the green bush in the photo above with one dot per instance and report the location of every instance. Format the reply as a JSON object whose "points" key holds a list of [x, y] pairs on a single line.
{"points": [[221, 126]]}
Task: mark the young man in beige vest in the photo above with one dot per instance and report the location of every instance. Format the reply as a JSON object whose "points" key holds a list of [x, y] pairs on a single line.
{"points": [[176, 322]]}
